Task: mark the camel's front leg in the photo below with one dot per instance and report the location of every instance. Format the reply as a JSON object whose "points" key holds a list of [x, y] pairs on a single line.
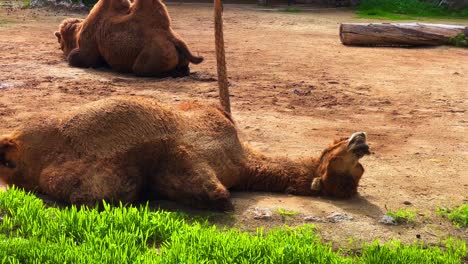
{"points": [[198, 187], [84, 58]]}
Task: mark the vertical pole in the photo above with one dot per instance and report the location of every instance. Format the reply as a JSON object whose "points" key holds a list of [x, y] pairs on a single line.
{"points": [[220, 57]]}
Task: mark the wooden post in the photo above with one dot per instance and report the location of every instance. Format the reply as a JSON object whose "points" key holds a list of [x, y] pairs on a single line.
{"points": [[223, 83]]}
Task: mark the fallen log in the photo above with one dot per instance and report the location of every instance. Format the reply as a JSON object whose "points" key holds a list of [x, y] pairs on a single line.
{"points": [[399, 34]]}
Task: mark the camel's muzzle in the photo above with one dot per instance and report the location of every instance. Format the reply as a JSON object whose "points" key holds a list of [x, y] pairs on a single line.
{"points": [[357, 144]]}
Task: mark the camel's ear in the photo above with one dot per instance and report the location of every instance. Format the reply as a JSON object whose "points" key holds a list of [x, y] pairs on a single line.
{"points": [[59, 37], [6, 144], [316, 184]]}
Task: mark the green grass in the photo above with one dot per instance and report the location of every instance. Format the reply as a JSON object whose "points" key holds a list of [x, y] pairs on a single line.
{"points": [[5, 23], [405, 9], [292, 10], [285, 212], [459, 40], [25, 3], [87, 3], [458, 215], [30, 232], [403, 216]]}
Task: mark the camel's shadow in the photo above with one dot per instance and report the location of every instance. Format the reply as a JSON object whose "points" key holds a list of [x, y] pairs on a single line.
{"points": [[358, 205]]}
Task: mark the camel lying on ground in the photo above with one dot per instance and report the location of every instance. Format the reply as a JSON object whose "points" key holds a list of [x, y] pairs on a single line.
{"points": [[129, 37], [130, 148]]}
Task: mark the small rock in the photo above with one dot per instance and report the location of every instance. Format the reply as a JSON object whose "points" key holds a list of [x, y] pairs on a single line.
{"points": [[312, 218], [337, 217], [301, 93], [261, 213], [407, 203], [5, 85], [388, 220]]}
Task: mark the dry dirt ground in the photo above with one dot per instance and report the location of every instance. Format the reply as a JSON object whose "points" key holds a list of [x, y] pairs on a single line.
{"points": [[294, 88]]}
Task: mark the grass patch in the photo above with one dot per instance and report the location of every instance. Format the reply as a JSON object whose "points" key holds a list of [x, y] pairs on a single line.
{"points": [[459, 40], [458, 215], [25, 3], [285, 214], [403, 216], [5, 23], [87, 3], [292, 10], [33, 233], [406, 9]]}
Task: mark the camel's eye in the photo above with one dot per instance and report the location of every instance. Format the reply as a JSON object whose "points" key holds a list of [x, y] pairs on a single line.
{"points": [[6, 163], [10, 164]]}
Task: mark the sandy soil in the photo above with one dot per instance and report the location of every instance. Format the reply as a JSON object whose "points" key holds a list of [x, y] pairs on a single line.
{"points": [[294, 88]]}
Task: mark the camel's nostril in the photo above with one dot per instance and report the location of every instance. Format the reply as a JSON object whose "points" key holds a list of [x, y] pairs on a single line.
{"points": [[360, 140], [361, 150]]}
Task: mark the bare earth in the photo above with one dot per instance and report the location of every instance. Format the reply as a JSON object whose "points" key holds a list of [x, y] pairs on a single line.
{"points": [[294, 88]]}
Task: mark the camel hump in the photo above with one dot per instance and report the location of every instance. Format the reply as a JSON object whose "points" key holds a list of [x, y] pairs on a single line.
{"points": [[131, 120]]}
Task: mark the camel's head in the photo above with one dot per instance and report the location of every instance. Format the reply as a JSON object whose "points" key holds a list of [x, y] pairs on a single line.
{"points": [[67, 34], [9, 159], [339, 168]]}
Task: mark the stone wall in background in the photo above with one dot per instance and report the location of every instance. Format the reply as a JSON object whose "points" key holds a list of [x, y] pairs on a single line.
{"points": [[67, 4]]}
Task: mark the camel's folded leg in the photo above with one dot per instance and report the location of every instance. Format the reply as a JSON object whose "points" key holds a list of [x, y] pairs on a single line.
{"points": [[83, 58], [88, 183]]}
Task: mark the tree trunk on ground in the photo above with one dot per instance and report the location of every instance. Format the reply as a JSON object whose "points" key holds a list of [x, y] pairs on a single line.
{"points": [[398, 34]]}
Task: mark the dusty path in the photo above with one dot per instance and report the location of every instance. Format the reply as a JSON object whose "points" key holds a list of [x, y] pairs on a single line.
{"points": [[294, 88]]}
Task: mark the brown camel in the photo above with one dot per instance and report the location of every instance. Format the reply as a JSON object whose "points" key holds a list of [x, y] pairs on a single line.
{"points": [[129, 37], [130, 148]]}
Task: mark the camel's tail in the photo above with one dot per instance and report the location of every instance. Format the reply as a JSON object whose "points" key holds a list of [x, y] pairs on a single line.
{"points": [[220, 59], [185, 51]]}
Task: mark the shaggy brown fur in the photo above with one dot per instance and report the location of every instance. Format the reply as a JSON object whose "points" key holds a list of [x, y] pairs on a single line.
{"points": [[128, 37], [130, 148]]}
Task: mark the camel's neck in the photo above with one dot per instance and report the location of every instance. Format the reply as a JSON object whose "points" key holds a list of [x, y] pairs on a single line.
{"points": [[278, 174]]}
